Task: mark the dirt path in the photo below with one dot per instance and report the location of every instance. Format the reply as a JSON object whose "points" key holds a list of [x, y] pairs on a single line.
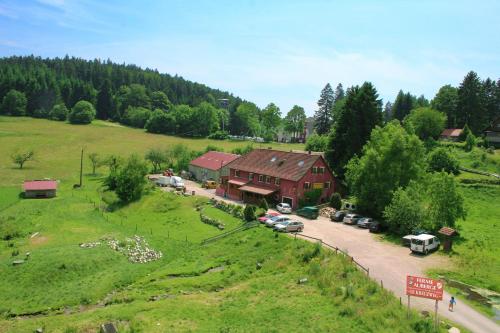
{"points": [[388, 263]]}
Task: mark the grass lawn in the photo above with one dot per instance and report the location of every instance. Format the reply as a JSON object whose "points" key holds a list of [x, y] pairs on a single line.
{"points": [[216, 287], [57, 146]]}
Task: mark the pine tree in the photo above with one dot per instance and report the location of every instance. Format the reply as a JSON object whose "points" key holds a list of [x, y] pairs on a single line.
{"points": [[492, 104], [361, 112], [323, 116], [339, 92], [387, 113], [471, 104], [403, 104], [104, 105]]}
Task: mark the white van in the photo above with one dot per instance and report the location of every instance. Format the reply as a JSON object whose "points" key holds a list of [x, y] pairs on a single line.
{"points": [[424, 243], [176, 182], [163, 181]]}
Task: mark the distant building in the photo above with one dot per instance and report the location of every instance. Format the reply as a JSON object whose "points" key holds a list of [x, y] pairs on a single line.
{"points": [[277, 176], [451, 134], [284, 136], [211, 165], [492, 133], [40, 188]]}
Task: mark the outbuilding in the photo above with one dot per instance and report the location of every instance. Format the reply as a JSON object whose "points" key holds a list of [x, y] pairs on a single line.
{"points": [[451, 134], [40, 188], [211, 165]]}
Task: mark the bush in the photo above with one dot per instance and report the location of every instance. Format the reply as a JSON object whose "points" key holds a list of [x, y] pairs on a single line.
{"points": [[211, 221], [441, 159], [336, 201], [470, 142], [136, 116], [311, 198], [249, 213], [59, 112], [14, 103], [41, 113], [263, 204], [130, 179], [161, 122], [317, 142], [82, 113], [219, 135]]}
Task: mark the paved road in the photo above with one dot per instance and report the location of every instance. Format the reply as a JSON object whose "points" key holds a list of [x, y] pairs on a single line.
{"points": [[388, 263]]}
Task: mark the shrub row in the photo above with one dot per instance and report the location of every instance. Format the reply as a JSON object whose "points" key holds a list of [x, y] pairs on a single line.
{"points": [[211, 221], [234, 210]]}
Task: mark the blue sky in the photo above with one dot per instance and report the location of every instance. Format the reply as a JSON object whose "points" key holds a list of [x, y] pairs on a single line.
{"points": [[270, 51]]}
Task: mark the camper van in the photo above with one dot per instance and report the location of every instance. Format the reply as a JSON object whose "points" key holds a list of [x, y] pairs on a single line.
{"points": [[424, 243]]}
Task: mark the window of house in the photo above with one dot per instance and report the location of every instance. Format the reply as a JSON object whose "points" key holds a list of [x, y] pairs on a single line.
{"points": [[250, 176], [307, 185], [261, 178], [314, 169], [327, 185], [277, 181], [268, 179], [321, 169], [237, 173]]}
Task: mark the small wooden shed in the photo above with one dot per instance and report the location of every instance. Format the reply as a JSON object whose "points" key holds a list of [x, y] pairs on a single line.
{"points": [[448, 234], [40, 188]]}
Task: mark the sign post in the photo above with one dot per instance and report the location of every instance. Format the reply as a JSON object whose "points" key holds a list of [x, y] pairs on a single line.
{"points": [[425, 288]]}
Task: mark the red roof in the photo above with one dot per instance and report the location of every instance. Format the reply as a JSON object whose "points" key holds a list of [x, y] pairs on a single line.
{"points": [[447, 231], [39, 185], [213, 160], [452, 132], [275, 163]]}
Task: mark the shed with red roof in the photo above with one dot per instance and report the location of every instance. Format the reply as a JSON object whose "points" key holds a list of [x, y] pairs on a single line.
{"points": [[452, 134], [211, 165], [40, 188]]}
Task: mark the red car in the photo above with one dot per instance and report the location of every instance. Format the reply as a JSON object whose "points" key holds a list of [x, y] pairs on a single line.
{"points": [[263, 219]]}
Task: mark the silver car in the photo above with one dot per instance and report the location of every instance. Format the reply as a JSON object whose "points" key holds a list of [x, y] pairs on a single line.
{"points": [[289, 226], [275, 220], [352, 219], [365, 222]]}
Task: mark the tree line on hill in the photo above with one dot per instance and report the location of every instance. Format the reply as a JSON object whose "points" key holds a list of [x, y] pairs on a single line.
{"points": [[143, 98]]}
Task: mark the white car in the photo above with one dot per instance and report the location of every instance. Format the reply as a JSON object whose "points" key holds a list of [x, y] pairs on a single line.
{"points": [[271, 222], [289, 226], [424, 243], [284, 208]]}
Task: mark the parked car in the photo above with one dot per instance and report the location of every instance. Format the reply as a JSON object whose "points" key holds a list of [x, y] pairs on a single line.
{"points": [[351, 219], [209, 184], [308, 212], [271, 222], [338, 216], [377, 226], [264, 218], [289, 226], [424, 243], [284, 208], [365, 222], [177, 182]]}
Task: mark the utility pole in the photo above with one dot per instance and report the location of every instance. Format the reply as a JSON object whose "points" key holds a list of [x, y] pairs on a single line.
{"points": [[81, 168]]}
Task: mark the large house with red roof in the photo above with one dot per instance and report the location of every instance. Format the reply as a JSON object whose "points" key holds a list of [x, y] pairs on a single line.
{"points": [[211, 165], [277, 176], [40, 188]]}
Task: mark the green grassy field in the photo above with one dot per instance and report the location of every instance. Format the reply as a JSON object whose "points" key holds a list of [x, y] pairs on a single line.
{"points": [[217, 287], [57, 146]]}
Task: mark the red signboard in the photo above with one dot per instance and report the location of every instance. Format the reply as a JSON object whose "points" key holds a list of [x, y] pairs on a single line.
{"points": [[424, 287]]}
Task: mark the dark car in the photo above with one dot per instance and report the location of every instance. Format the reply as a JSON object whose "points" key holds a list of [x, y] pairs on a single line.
{"points": [[308, 212], [376, 226], [338, 216]]}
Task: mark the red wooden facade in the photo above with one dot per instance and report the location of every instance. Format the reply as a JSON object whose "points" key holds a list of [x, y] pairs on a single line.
{"points": [[278, 177]]}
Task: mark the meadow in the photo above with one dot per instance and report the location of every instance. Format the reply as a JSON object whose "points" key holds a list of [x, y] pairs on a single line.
{"points": [[246, 282], [57, 146]]}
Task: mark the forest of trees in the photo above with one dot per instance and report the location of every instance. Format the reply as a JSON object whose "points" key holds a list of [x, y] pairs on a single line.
{"points": [[144, 98]]}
